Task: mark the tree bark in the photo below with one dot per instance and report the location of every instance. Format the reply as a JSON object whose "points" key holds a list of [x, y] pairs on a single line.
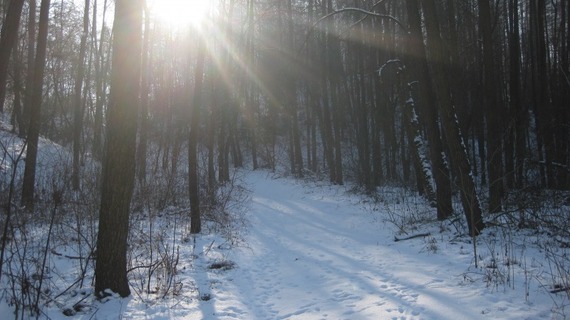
{"points": [[101, 68], [517, 110], [8, 38], [540, 96], [28, 184], [30, 67], [493, 110], [16, 119], [118, 169], [193, 176], [144, 105], [428, 111], [78, 101], [292, 101], [457, 149]]}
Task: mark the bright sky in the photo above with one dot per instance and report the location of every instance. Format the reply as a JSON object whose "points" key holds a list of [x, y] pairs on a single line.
{"points": [[179, 13]]}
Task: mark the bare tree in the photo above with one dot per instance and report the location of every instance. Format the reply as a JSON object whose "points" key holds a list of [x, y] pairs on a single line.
{"points": [[428, 111], [28, 185], [450, 124], [118, 163], [78, 99], [7, 41], [193, 177], [493, 110]]}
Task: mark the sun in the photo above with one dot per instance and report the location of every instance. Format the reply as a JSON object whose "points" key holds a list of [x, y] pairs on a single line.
{"points": [[179, 13]]}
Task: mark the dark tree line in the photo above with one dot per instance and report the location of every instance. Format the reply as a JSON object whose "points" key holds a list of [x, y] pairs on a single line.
{"points": [[468, 97]]}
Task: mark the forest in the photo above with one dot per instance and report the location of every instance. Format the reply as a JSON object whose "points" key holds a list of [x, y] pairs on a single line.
{"points": [[464, 103]]}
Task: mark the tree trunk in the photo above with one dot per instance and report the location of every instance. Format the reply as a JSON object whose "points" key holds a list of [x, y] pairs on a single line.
{"points": [[292, 101], [252, 104], [8, 39], [517, 110], [428, 111], [118, 169], [101, 68], [78, 101], [457, 149], [326, 87], [493, 110], [193, 176], [542, 106], [28, 184], [144, 105], [16, 119], [211, 141], [30, 67]]}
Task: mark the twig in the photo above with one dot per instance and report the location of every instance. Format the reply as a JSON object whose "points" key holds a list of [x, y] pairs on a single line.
{"points": [[209, 248], [358, 10], [70, 257], [57, 201]]}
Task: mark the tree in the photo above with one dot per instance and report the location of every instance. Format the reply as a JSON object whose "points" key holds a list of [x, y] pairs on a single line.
{"points": [[78, 100], [118, 169], [28, 184], [291, 100], [419, 66], [30, 66], [7, 41], [516, 134], [193, 177], [142, 147], [101, 67], [493, 110], [450, 124]]}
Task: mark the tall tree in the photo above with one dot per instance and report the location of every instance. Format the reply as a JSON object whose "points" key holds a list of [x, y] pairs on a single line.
{"points": [[8, 38], [33, 132], [517, 133], [540, 99], [428, 111], [101, 69], [493, 110], [78, 104], [291, 98], [251, 100], [193, 176], [118, 169], [142, 147], [30, 65], [449, 122]]}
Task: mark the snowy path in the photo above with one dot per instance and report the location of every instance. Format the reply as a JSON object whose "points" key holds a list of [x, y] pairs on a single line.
{"points": [[312, 256]]}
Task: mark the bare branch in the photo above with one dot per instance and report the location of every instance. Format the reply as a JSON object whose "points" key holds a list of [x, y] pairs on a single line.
{"points": [[357, 10]]}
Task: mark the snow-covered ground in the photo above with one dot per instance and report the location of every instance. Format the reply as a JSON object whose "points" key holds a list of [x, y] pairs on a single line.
{"points": [[315, 251], [311, 251]]}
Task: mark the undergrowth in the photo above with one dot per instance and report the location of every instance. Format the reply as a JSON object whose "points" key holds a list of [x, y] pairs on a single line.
{"points": [[534, 223], [48, 253]]}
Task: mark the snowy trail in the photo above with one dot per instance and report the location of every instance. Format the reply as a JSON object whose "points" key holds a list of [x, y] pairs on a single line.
{"points": [[312, 256]]}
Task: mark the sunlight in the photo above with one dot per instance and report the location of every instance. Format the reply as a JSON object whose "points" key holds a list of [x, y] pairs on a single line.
{"points": [[179, 13]]}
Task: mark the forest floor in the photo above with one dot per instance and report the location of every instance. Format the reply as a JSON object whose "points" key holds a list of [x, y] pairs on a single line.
{"points": [[315, 251], [310, 251]]}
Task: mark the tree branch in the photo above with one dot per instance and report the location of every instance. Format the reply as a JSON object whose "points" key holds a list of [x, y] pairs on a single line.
{"points": [[357, 10]]}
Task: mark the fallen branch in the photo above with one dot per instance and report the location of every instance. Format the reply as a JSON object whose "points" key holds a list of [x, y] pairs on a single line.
{"points": [[560, 290], [396, 239]]}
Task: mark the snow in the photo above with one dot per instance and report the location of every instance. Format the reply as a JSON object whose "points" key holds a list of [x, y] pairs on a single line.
{"points": [[316, 251]]}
